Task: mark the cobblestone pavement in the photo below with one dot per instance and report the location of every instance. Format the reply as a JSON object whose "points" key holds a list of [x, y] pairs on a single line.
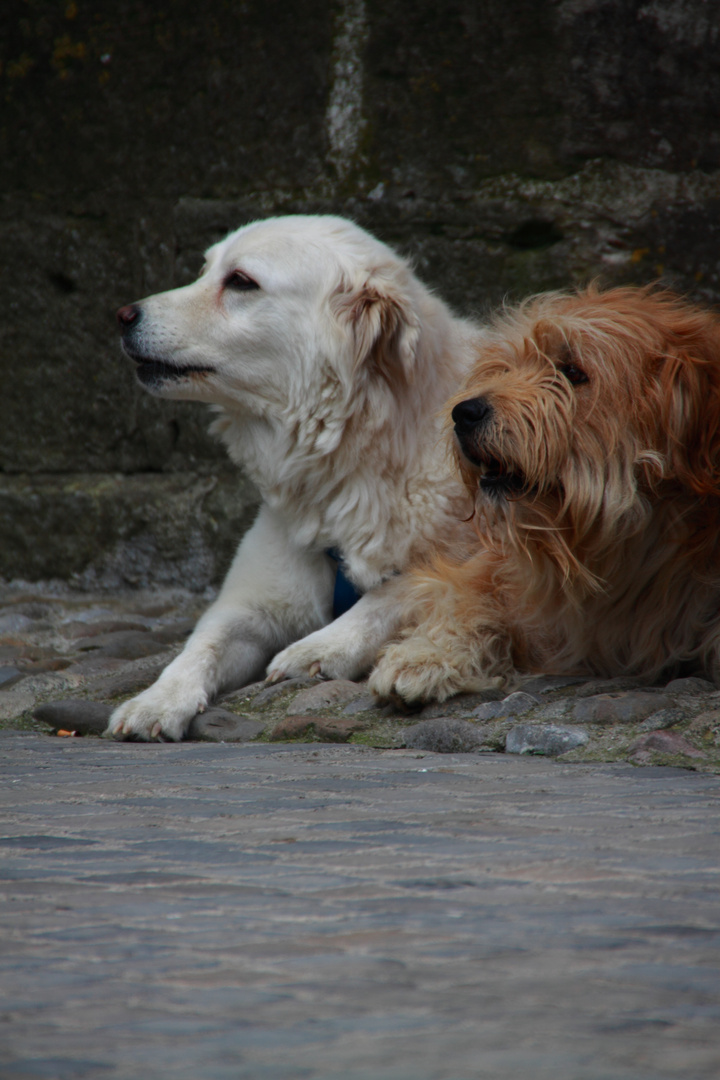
{"points": [[254, 911], [320, 886], [66, 659]]}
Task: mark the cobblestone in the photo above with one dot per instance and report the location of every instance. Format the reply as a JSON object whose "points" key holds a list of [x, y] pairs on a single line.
{"points": [[220, 725], [549, 739], [300, 912], [445, 736], [667, 742], [617, 708], [68, 647], [325, 695]]}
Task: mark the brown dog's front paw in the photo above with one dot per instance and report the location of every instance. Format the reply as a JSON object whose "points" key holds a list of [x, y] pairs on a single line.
{"points": [[417, 670], [411, 677]]}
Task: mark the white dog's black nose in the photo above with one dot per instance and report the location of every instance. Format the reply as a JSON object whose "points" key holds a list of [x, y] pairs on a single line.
{"points": [[127, 316], [472, 413]]}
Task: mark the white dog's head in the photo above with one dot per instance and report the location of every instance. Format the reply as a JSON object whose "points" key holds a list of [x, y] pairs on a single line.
{"points": [[288, 310]]}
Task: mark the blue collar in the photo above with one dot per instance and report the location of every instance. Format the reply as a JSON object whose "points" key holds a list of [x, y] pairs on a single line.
{"points": [[345, 594]]}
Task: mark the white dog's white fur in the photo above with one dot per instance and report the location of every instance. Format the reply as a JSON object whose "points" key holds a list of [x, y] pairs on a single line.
{"points": [[328, 361]]}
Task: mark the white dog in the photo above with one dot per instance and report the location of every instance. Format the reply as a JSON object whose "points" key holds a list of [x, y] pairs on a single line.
{"points": [[328, 362]]}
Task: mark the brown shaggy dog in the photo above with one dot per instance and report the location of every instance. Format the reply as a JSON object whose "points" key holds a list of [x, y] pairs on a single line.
{"points": [[589, 435]]}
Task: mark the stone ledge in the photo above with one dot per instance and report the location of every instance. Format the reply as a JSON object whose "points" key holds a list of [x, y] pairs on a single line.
{"points": [[109, 531]]}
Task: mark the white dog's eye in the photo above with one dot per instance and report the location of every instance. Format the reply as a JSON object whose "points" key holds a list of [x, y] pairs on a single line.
{"points": [[574, 374], [240, 281]]}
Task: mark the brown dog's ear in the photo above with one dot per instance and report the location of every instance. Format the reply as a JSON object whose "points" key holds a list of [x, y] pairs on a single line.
{"points": [[383, 322], [690, 408], [550, 340]]}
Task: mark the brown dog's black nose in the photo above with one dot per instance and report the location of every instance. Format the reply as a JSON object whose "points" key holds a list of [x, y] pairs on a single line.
{"points": [[127, 316], [472, 413]]}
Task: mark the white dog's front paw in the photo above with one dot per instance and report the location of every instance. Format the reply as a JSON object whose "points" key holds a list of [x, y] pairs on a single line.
{"points": [[416, 671], [159, 713], [318, 654]]}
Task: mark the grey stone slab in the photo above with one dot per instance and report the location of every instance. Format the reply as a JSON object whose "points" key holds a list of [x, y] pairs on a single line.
{"points": [[623, 707], [550, 739], [513, 705], [85, 717], [445, 735], [275, 690], [221, 725], [663, 718], [10, 675], [691, 685], [546, 684], [255, 910], [364, 702], [123, 644], [334, 692], [607, 686], [463, 705]]}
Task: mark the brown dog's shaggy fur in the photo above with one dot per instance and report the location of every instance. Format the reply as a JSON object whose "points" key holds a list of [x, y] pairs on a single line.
{"points": [[589, 435]]}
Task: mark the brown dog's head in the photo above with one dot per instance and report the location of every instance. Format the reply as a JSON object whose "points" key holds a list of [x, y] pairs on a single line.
{"points": [[584, 409]]}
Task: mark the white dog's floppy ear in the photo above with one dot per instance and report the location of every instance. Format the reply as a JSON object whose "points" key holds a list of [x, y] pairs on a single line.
{"points": [[384, 324]]}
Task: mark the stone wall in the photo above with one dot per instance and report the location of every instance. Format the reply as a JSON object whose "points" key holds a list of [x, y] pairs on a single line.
{"points": [[507, 145]]}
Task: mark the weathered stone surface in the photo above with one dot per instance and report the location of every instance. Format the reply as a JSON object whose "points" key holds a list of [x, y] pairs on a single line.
{"points": [[75, 630], [692, 685], [607, 686], [94, 664], [13, 623], [85, 717], [338, 728], [707, 727], [463, 705], [292, 727], [326, 729], [445, 735], [9, 676], [280, 689], [132, 677], [513, 705], [662, 742], [318, 912], [116, 531], [50, 663], [664, 718], [221, 725], [173, 632], [548, 684], [274, 709], [365, 702], [550, 740], [618, 708], [507, 148], [325, 695], [245, 693], [16, 701], [123, 644]]}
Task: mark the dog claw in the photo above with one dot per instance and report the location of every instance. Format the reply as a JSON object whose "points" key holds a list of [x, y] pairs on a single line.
{"points": [[156, 729], [314, 669]]}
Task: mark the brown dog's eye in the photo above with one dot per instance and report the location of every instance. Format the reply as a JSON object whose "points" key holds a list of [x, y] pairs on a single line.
{"points": [[240, 282], [574, 374]]}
